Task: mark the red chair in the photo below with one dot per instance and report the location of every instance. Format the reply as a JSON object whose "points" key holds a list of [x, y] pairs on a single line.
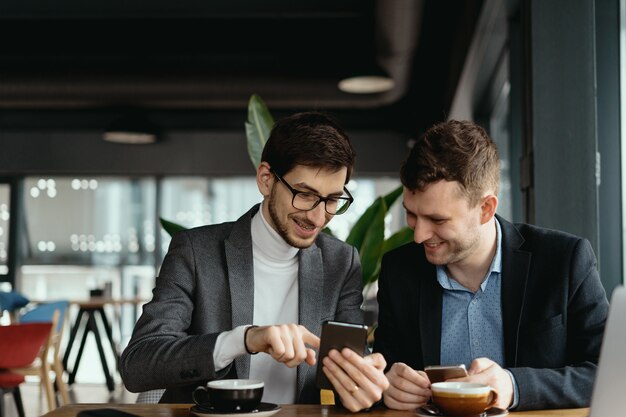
{"points": [[20, 344]]}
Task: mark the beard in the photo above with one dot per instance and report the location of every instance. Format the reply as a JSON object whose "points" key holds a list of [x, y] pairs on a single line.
{"points": [[282, 227], [458, 250]]}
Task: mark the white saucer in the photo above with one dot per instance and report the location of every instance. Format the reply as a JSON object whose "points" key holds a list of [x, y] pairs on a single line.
{"points": [[492, 412], [263, 410]]}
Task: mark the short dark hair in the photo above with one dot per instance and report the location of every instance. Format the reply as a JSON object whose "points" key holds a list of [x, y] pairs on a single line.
{"points": [[310, 139], [458, 151]]}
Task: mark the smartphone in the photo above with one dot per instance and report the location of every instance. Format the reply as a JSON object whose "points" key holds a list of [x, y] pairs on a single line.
{"points": [[105, 412], [338, 335], [440, 373]]}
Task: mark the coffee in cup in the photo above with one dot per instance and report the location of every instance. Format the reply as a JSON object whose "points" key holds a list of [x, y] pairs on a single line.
{"points": [[230, 394], [463, 399]]}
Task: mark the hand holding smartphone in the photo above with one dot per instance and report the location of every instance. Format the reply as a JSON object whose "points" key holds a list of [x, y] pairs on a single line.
{"points": [[338, 335], [441, 373]]}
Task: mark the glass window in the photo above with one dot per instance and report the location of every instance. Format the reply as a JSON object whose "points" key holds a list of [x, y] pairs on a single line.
{"points": [[83, 233], [622, 64], [5, 204], [195, 201], [86, 232], [499, 132]]}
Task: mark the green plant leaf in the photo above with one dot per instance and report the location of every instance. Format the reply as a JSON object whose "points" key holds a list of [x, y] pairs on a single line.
{"points": [[401, 237], [258, 127], [359, 230], [371, 249], [328, 231], [393, 196], [170, 227]]}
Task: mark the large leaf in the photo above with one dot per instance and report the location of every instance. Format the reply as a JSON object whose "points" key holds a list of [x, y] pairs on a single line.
{"points": [[371, 249], [401, 237], [170, 227], [359, 230], [258, 127], [393, 196]]}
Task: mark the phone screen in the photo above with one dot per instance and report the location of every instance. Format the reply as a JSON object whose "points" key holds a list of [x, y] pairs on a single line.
{"points": [[338, 335]]}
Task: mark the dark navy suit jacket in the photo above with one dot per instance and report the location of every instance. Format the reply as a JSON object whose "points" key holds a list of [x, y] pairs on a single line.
{"points": [[554, 310]]}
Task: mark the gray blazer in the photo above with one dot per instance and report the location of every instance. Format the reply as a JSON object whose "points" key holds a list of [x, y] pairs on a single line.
{"points": [[206, 286]]}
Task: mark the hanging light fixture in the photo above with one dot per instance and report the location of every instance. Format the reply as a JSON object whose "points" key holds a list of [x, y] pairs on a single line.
{"points": [[366, 84], [133, 128]]}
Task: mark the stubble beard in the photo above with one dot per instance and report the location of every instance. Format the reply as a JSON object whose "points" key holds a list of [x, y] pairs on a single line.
{"points": [[460, 251], [282, 228]]}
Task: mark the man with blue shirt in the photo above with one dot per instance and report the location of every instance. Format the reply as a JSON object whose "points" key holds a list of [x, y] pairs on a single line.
{"points": [[522, 307]]}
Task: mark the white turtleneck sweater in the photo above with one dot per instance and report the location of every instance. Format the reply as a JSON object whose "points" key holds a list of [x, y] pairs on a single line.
{"points": [[275, 302]]}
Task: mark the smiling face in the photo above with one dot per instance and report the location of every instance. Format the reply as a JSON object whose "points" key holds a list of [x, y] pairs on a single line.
{"points": [[444, 222], [297, 227]]}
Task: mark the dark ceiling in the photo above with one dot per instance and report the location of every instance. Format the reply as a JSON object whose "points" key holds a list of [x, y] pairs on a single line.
{"points": [[194, 64]]}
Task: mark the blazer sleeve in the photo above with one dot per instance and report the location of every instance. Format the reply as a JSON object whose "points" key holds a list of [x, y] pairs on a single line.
{"points": [[161, 352], [570, 385]]}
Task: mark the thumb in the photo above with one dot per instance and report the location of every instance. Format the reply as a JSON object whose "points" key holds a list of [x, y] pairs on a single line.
{"points": [[310, 357]]}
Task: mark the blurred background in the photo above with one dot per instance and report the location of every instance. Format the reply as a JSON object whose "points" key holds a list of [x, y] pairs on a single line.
{"points": [[80, 202]]}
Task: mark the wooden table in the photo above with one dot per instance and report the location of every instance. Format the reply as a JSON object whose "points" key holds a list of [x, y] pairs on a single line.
{"points": [[93, 309], [182, 410]]}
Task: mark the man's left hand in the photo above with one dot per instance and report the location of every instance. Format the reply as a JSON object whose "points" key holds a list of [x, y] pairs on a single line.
{"points": [[359, 381], [488, 372]]}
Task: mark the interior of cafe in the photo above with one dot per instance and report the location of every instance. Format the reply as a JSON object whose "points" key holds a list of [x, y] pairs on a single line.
{"points": [[116, 115]]}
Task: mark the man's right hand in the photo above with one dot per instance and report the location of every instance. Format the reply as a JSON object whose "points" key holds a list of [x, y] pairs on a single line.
{"points": [[408, 388], [286, 343]]}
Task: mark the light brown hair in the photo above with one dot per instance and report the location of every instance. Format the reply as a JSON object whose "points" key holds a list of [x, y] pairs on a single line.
{"points": [[458, 151]]}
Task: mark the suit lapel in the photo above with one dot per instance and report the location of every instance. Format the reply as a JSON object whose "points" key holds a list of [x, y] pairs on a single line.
{"points": [[430, 294], [515, 268], [238, 251], [310, 292]]}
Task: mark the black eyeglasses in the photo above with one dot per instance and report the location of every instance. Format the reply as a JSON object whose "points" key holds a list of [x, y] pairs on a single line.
{"points": [[306, 201]]}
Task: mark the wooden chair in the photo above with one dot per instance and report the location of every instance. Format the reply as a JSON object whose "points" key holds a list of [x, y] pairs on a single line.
{"points": [[48, 359], [19, 346]]}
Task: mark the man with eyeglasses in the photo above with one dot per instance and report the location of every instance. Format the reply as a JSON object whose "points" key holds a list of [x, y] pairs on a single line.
{"points": [[263, 284]]}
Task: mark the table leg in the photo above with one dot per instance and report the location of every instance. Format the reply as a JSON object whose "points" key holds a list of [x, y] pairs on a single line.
{"points": [[93, 326], [109, 333], [72, 376], [73, 333]]}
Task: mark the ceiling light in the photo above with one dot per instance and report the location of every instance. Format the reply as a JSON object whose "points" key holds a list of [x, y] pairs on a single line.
{"points": [[366, 84], [134, 129], [133, 138]]}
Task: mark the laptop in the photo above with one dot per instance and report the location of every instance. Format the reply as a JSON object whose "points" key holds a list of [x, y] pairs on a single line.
{"points": [[609, 388]]}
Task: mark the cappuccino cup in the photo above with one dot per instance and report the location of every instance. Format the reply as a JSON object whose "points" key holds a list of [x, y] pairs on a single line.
{"points": [[463, 399], [230, 395]]}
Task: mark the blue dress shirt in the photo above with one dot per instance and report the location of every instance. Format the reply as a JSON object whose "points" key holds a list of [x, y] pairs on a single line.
{"points": [[471, 323]]}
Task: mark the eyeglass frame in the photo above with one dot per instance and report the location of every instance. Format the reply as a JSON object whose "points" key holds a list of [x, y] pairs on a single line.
{"points": [[295, 192]]}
